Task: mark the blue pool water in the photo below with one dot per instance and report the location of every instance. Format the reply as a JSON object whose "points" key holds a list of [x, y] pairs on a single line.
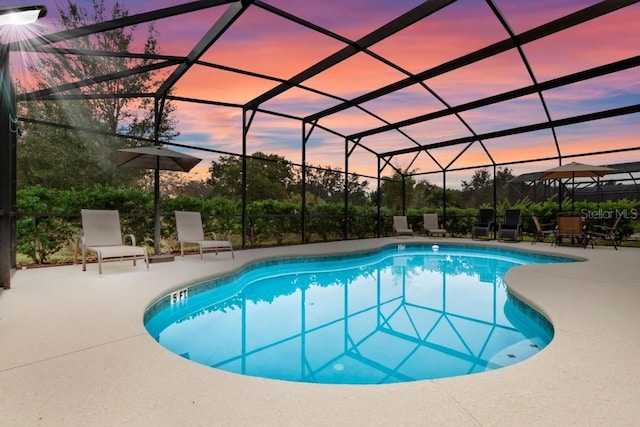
{"points": [[402, 313]]}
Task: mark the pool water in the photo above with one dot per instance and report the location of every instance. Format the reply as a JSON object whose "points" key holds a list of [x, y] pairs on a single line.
{"points": [[402, 313]]}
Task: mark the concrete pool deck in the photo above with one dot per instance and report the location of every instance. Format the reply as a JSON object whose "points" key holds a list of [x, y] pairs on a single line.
{"points": [[74, 352]]}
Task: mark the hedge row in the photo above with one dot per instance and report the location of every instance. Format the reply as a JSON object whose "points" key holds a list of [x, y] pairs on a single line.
{"points": [[49, 220]]}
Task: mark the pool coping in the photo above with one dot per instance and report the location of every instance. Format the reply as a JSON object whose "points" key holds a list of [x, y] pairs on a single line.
{"points": [[82, 357]]}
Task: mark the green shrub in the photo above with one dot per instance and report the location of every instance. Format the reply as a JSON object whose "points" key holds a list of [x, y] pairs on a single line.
{"points": [[48, 219], [362, 221], [42, 227], [326, 220], [272, 219]]}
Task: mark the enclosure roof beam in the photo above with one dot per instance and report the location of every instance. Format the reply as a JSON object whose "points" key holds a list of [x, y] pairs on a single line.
{"points": [[544, 30], [107, 53], [631, 109], [39, 94], [602, 70], [425, 9], [215, 32], [115, 24]]}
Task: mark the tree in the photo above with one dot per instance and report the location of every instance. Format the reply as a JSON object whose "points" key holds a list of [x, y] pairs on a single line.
{"points": [[85, 157], [45, 151], [503, 176], [479, 190], [326, 185], [392, 192], [269, 176], [195, 188], [358, 194], [225, 177], [174, 184]]}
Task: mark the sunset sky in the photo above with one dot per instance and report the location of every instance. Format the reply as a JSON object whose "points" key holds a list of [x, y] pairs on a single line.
{"points": [[267, 44]]}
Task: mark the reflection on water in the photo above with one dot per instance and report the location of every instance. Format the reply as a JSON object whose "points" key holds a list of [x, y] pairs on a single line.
{"points": [[401, 315]]}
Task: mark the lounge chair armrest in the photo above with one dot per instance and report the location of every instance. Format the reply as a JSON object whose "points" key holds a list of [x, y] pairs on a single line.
{"points": [[131, 237]]}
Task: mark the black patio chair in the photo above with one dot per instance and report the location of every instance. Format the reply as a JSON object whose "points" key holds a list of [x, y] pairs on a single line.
{"points": [[511, 227], [484, 224]]}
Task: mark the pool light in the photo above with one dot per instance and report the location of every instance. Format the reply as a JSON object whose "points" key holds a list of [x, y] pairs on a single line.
{"points": [[21, 15]]}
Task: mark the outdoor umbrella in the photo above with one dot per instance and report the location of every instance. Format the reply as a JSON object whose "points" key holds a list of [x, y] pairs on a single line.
{"points": [[156, 158], [573, 170]]}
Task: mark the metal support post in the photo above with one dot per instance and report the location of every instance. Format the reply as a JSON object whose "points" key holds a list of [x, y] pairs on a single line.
{"points": [[8, 141]]}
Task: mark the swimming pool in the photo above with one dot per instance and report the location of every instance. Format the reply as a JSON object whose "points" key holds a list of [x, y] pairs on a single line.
{"points": [[401, 313]]}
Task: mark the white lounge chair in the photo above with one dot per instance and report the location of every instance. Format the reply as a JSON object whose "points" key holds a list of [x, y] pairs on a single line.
{"points": [[190, 231], [431, 225], [401, 226], [101, 234]]}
